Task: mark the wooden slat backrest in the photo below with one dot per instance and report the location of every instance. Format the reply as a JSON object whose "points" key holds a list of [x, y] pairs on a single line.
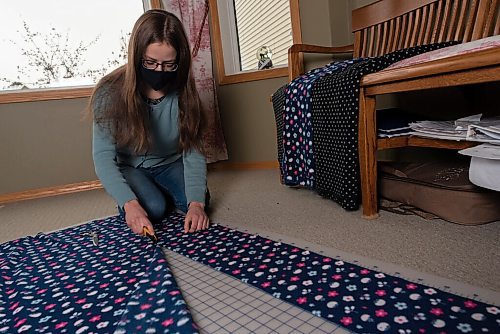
{"points": [[389, 25]]}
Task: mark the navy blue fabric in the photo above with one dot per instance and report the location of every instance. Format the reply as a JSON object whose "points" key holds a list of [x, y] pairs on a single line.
{"points": [[359, 299], [297, 162], [62, 283]]}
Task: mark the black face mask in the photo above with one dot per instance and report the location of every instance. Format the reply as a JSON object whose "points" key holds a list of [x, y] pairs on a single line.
{"points": [[157, 79]]}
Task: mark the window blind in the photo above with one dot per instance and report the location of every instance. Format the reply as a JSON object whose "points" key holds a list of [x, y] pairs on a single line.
{"points": [[263, 23]]}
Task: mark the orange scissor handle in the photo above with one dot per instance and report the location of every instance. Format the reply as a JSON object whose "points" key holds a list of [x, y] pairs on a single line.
{"points": [[147, 233]]}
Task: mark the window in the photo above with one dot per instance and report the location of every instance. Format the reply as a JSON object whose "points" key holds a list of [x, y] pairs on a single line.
{"points": [[244, 31], [59, 49]]}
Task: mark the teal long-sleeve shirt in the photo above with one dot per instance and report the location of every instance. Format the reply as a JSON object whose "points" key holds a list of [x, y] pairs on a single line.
{"points": [[165, 133]]}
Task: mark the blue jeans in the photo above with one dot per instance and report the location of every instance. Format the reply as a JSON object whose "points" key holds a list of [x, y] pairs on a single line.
{"points": [[159, 190]]}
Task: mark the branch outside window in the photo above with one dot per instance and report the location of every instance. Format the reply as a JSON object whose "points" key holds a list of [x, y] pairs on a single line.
{"points": [[55, 57]]}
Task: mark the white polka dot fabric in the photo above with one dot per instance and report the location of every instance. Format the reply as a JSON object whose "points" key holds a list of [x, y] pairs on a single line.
{"points": [[324, 155]]}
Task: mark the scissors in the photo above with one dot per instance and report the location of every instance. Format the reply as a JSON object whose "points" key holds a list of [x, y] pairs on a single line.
{"points": [[94, 235], [147, 233]]}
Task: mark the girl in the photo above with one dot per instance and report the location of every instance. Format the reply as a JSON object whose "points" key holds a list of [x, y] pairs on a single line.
{"points": [[147, 122]]}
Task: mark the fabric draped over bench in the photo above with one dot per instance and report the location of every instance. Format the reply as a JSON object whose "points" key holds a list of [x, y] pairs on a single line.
{"points": [[317, 125]]}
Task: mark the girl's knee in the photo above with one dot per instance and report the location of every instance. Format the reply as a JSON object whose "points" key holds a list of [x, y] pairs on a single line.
{"points": [[156, 210]]}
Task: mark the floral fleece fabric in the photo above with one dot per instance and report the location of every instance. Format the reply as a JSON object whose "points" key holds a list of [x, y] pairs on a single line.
{"points": [[62, 283]]}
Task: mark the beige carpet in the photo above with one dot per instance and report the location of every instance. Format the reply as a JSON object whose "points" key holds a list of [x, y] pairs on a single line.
{"points": [[256, 200]]}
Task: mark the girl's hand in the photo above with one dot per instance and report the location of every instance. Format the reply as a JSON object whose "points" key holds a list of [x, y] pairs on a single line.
{"points": [[136, 217], [196, 218]]}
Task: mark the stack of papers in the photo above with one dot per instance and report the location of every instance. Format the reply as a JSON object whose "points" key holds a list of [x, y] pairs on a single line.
{"points": [[486, 134], [439, 130], [472, 128]]}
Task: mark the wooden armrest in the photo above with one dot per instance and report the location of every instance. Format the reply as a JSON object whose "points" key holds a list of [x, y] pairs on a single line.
{"points": [[462, 62], [295, 63]]}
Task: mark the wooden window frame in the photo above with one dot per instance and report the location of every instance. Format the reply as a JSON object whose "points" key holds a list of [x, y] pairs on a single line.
{"points": [[253, 75], [46, 94]]}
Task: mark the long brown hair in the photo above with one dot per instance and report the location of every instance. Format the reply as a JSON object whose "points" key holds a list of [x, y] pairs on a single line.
{"points": [[123, 109]]}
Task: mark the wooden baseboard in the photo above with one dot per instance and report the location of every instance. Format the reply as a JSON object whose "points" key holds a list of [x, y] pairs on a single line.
{"points": [[51, 191], [92, 185]]}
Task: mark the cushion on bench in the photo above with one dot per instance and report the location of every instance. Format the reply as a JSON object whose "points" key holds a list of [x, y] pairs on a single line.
{"points": [[454, 50]]}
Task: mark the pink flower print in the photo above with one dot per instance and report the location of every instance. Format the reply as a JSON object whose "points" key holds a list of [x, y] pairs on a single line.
{"points": [[380, 293], [212, 261], [262, 266], [236, 272], [436, 311], [95, 318], [302, 300], [119, 300], [470, 304], [364, 271], [337, 277], [48, 307], [61, 325], [380, 313], [265, 284], [333, 293], [411, 286], [327, 259], [294, 278], [168, 322], [346, 321], [175, 292], [301, 264], [14, 306], [145, 307], [104, 285], [20, 322], [155, 283], [132, 280]]}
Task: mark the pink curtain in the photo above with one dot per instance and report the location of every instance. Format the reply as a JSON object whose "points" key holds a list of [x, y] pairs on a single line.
{"points": [[194, 16]]}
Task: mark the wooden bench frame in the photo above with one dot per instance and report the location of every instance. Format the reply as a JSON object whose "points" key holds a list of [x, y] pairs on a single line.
{"points": [[388, 25]]}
